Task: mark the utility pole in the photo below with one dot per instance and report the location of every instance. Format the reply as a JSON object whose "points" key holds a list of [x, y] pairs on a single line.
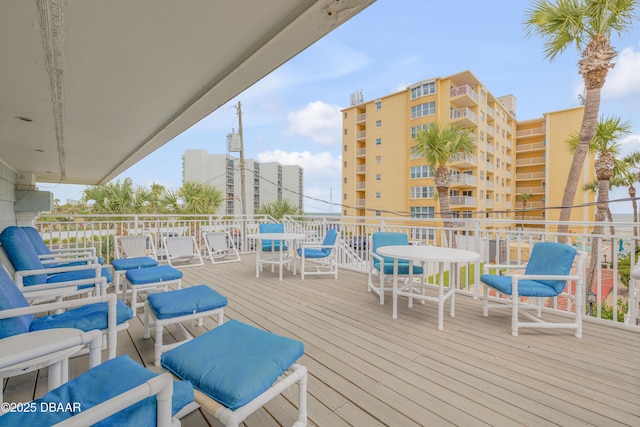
{"points": [[243, 198]]}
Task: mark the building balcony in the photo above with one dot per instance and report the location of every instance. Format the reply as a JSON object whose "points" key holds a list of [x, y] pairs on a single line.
{"points": [[531, 161], [508, 144], [532, 190], [463, 96], [525, 176], [463, 160], [361, 152], [489, 147], [491, 131], [507, 174], [489, 166], [361, 118], [534, 146], [464, 117], [361, 135], [491, 112], [509, 129], [508, 159], [463, 201], [361, 203], [488, 203], [463, 180], [531, 132], [459, 361], [361, 169], [361, 186], [489, 185]]}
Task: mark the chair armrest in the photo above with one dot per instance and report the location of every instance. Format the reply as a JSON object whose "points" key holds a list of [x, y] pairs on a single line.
{"points": [[53, 306], [93, 338]]}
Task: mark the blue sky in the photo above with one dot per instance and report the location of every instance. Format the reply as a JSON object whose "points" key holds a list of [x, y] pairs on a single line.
{"points": [[293, 115]]}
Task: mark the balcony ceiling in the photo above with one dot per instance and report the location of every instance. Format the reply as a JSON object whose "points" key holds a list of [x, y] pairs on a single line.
{"points": [[105, 83]]}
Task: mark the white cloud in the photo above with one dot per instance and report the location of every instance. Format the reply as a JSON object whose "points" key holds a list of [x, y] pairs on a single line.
{"points": [[319, 121], [624, 78], [630, 144], [322, 175]]}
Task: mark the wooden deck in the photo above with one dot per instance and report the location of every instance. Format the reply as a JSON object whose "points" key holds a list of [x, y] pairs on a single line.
{"points": [[367, 369]]}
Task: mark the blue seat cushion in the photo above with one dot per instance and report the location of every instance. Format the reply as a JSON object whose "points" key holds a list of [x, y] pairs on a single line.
{"points": [[403, 267], [270, 245], [134, 262], [86, 318], [161, 273], [79, 275], [526, 288], [95, 386], [181, 302], [11, 297], [314, 253], [233, 363]]}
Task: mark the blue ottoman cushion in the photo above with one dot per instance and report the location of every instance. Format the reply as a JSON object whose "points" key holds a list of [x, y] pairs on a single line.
{"points": [[162, 273], [86, 318], [105, 381], [181, 302], [134, 262], [233, 363]]}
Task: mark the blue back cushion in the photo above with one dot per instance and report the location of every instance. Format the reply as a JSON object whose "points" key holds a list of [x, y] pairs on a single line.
{"points": [[36, 240], [11, 297], [21, 254], [329, 240], [551, 258], [387, 238], [267, 245]]}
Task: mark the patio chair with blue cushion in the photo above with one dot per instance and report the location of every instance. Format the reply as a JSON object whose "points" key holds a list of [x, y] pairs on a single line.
{"points": [[52, 258], [118, 392], [546, 275], [132, 252], [320, 256], [272, 245], [30, 271], [104, 312], [383, 266]]}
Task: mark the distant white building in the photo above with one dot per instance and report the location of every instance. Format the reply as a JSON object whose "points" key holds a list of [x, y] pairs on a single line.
{"points": [[264, 182]]}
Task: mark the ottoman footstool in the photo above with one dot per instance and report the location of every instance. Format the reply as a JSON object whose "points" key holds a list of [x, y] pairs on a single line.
{"points": [[150, 278], [236, 368], [173, 307], [122, 265]]}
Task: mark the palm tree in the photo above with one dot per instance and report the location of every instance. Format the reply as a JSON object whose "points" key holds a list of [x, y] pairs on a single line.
{"points": [[437, 144], [587, 25], [524, 197], [606, 146], [278, 209], [629, 178]]}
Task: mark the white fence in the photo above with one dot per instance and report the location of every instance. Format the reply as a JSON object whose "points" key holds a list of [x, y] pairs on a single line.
{"points": [[615, 296]]}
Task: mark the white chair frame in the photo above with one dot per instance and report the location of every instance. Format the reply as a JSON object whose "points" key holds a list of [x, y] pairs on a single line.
{"points": [[219, 246], [512, 302], [320, 266], [181, 250], [140, 245]]}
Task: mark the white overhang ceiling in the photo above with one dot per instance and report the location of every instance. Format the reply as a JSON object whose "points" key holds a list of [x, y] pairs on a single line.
{"points": [[103, 83]]}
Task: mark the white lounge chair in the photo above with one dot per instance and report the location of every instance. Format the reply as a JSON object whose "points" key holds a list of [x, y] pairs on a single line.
{"points": [[220, 247], [182, 250], [132, 252]]}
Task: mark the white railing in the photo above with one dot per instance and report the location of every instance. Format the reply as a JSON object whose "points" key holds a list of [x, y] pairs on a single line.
{"points": [[505, 241], [463, 178], [463, 90]]}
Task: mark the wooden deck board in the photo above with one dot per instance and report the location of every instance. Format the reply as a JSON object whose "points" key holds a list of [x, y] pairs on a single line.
{"points": [[366, 369]]}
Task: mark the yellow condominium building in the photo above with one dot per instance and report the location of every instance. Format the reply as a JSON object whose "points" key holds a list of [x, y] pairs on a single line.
{"points": [[381, 177]]}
